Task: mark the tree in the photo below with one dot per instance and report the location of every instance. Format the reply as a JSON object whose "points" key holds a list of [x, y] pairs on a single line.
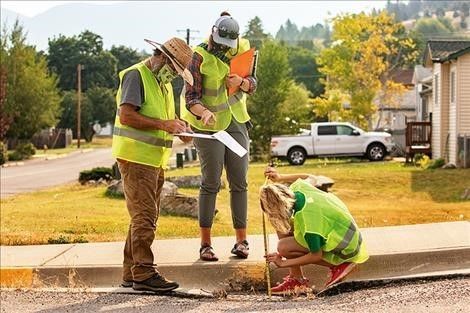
{"points": [[274, 82], [125, 57], [305, 69], [30, 98], [65, 53], [427, 28], [364, 52], [97, 106], [255, 32], [295, 111]]}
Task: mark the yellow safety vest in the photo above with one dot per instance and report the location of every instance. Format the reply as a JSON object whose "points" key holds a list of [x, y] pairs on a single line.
{"points": [[215, 94], [149, 147], [243, 45], [326, 215]]}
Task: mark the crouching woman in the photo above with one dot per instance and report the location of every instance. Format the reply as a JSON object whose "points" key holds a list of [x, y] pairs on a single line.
{"points": [[314, 227]]}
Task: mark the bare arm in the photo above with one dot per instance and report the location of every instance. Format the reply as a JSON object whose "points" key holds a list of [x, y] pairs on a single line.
{"points": [[309, 258], [272, 174], [130, 117]]}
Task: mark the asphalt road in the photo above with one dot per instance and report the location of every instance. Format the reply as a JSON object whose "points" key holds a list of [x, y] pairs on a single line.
{"points": [[39, 174], [426, 296]]}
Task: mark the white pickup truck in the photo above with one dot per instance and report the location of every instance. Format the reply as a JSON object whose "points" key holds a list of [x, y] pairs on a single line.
{"points": [[332, 139]]}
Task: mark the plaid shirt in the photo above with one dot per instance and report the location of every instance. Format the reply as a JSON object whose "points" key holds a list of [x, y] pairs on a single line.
{"points": [[194, 92]]}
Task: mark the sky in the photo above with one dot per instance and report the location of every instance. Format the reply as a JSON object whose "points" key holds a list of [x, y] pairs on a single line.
{"points": [[33, 8], [171, 16]]}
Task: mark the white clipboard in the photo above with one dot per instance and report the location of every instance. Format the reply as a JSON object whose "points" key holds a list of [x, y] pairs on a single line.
{"points": [[221, 136]]}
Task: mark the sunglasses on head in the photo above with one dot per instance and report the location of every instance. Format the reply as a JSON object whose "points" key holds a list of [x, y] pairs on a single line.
{"points": [[226, 34]]}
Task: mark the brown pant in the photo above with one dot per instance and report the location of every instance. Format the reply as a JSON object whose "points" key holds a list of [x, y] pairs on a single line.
{"points": [[142, 187]]}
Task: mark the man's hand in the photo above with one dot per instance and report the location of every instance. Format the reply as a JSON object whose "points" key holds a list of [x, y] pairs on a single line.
{"points": [[275, 258], [207, 117], [186, 139], [174, 126], [272, 174], [233, 80]]}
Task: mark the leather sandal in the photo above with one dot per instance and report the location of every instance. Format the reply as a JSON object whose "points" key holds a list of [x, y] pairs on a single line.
{"points": [[206, 253]]}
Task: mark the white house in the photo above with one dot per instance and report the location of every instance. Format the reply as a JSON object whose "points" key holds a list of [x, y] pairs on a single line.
{"points": [[449, 62]]}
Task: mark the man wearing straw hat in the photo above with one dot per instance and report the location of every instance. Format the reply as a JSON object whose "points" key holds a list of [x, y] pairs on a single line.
{"points": [[142, 140]]}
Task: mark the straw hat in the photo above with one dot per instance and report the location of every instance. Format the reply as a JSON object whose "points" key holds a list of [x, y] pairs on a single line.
{"points": [[179, 53]]}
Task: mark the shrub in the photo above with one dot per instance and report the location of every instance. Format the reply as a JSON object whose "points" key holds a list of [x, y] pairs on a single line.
{"points": [[437, 163], [23, 151], [3, 153], [15, 156], [96, 173], [27, 149]]}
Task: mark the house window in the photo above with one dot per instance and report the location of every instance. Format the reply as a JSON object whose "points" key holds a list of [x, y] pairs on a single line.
{"points": [[452, 87], [436, 88]]}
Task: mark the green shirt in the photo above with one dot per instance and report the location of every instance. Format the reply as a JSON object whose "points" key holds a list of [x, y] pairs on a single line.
{"points": [[314, 241]]}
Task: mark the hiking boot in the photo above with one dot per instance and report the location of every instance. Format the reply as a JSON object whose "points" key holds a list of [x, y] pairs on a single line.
{"points": [[290, 286], [156, 283], [339, 272], [127, 283], [241, 249]]}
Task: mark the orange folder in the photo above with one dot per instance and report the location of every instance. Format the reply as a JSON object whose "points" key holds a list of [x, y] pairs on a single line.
{"points": [[242, 65]]}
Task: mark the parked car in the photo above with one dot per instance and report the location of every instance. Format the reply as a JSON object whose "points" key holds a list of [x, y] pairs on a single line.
{"points": [[332, 139]]}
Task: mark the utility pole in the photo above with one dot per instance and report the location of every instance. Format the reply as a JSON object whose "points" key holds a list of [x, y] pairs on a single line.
{"points": [[79, 100], [188, 34]]}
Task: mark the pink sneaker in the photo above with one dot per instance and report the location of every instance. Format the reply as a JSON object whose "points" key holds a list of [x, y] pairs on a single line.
{"points": [[339, 272], [290, 286]]}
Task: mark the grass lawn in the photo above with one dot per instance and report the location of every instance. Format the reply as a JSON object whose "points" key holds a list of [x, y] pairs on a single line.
{"points": [[378, 194], [97, 142]]}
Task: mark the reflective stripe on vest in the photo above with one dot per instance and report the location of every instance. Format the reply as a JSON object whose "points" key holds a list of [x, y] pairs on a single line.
{"points": [[338, 250], [214, 92], [148, 139], [224, 106]]}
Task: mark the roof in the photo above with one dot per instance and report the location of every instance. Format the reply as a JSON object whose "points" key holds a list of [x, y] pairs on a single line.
{"points": [[444, 50], [421, 73], [403, 76]]}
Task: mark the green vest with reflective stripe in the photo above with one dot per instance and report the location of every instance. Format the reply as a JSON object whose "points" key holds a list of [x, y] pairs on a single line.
{"points": [[215, 95], [150, 147], [327, 216]]}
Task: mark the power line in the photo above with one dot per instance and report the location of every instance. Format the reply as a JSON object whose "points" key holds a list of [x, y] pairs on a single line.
{"points": [[188, 34]]}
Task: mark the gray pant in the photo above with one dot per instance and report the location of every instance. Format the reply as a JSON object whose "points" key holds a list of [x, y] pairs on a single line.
{"points": [[214, 156]]}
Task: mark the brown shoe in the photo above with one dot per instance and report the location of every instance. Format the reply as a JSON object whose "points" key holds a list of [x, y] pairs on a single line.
{"points": [[127, 283], [156, 283]]}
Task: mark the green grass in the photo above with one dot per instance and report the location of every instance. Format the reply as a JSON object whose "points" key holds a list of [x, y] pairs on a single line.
{"points": [[97, 142], [378, 194]]}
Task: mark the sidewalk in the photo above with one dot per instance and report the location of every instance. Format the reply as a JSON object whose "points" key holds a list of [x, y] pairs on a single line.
{"points": [[412, 250]]}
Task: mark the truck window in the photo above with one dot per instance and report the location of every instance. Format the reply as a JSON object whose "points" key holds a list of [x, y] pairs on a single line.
{"points": [[326, 130], [344, 130]]}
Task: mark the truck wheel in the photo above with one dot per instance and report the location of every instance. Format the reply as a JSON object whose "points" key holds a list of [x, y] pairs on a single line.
{"points": [[296, 156], [375, 152]]}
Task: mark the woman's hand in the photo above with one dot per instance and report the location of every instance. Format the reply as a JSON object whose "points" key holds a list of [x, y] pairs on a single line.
{"points": [[207, 117], [272, 174], [233, 80], [276, 259]]}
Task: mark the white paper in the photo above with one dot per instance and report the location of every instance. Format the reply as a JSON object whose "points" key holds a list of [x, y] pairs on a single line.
{"points": [[230, 143], [197, 135]]}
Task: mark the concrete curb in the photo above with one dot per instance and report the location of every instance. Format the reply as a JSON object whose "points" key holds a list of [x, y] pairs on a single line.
{"points": [[238, 276], [397, 251]]}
